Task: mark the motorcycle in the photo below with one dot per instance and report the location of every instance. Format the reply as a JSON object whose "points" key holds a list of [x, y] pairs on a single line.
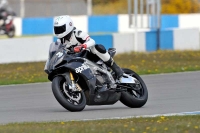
{"points": [[78, 81], [6, 25]]}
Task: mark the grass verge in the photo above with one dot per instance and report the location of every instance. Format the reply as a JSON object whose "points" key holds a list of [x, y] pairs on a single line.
{"points": [[171, 124], [142, 63]]}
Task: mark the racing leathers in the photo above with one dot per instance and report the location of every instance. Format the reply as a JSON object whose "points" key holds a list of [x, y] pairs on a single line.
{"points": [[79, 40]]}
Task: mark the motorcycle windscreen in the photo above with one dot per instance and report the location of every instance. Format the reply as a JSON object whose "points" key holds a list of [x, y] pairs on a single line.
{"points": [[53, 48], [56, 59]]}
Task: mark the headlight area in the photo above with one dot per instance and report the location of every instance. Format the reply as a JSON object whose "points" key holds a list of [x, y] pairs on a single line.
{"points": [[58, 61]]}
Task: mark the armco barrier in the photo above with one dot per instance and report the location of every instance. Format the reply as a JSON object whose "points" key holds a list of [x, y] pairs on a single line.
{"points": [[169, 21], [186, 39], [166, 40], [106, 40], [103, 23], [124, 42], [106, 23], [189, 21], [36, 48], [24, 49], [37, 26], [171, 39], [18, 26]]}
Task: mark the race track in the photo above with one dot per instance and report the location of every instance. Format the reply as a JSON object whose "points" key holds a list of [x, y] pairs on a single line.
{"points": [[168, 93]]}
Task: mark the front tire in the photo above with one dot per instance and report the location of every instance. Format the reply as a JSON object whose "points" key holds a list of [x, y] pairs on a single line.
{"points": [[65, 98], [134, 99]]}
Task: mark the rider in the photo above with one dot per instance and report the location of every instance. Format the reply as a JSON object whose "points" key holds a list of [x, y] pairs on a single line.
{"points": [[5, 11], [76, 40]]}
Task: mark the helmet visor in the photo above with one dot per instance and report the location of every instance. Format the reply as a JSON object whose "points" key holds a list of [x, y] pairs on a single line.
{"points": [[59, 29]]}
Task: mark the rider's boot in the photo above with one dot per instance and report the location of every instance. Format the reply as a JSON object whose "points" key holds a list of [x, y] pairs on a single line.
{"points": [[118, 71]]}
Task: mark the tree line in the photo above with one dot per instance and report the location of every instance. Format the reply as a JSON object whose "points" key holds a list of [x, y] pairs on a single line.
{"points": [[167, 6]]}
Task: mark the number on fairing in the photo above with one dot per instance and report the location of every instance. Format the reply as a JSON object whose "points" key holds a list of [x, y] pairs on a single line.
{"points": [[59, 54]]}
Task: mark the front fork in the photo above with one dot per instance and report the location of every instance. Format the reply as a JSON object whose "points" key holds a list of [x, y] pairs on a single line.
{"points": [[74, 86]]}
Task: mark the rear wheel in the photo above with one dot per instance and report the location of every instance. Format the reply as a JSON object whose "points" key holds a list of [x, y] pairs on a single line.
{"points": [[136, 96], [70, 100]]}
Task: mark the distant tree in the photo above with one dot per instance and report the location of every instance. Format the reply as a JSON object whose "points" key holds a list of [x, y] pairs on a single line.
{"points": [[180, 6], [110, 6], [168, 6]]}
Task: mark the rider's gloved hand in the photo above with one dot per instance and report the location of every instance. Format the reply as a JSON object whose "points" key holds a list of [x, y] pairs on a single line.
{"points": [[78, 48]]}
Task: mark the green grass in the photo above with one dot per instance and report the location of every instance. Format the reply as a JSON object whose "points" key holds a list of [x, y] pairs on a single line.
{"points": [[160, 61], [142, 63], [172, 124]]}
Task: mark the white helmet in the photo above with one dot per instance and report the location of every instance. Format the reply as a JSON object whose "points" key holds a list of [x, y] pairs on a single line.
{"points": [[63, 27]]}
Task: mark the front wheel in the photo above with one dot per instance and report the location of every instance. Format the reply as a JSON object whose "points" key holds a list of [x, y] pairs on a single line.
{"points": [[135, 98], [72, 101]]}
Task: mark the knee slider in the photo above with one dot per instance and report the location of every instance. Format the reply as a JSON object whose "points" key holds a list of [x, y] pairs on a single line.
{"points": [[100, 48]]}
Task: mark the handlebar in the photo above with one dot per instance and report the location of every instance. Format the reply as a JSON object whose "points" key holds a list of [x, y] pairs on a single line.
{"points": [[83, 53]]}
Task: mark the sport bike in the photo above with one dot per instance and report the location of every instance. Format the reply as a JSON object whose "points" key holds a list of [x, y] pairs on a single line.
{"points": [[7, 26], [78, 81]]}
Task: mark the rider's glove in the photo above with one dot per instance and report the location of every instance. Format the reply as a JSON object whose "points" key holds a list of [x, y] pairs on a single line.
{"points": [[78, 48]]}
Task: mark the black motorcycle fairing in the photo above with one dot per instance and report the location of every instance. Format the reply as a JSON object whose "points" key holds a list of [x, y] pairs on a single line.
{"points": [[93, 97], [62, 56], [81, 69], [91, 83], [104, 98], [75, 65]]}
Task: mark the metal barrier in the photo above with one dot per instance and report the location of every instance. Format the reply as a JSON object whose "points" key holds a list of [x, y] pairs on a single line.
{"points": [[152, 9]]}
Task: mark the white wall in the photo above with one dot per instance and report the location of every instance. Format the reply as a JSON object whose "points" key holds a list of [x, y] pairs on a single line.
{"points": [[18, 26], [186, 39], [124, 42], [189, 21], [36, 48], [24, 49], [123, 23], [81, 22]]}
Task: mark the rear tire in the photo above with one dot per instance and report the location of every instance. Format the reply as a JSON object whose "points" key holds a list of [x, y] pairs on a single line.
{"points": [[59, 92], [132, 99]]}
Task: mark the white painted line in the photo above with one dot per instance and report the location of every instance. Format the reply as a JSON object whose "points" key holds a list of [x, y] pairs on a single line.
{"points": [[175, 73], [144, 116], [192, 113], [25, 84]]}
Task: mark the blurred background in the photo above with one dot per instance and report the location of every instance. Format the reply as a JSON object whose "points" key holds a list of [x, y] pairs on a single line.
{"points": [[143, 25], [49, 8]]}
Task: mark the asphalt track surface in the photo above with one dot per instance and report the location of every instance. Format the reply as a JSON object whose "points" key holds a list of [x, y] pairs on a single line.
{"points": [[168, 93]]}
